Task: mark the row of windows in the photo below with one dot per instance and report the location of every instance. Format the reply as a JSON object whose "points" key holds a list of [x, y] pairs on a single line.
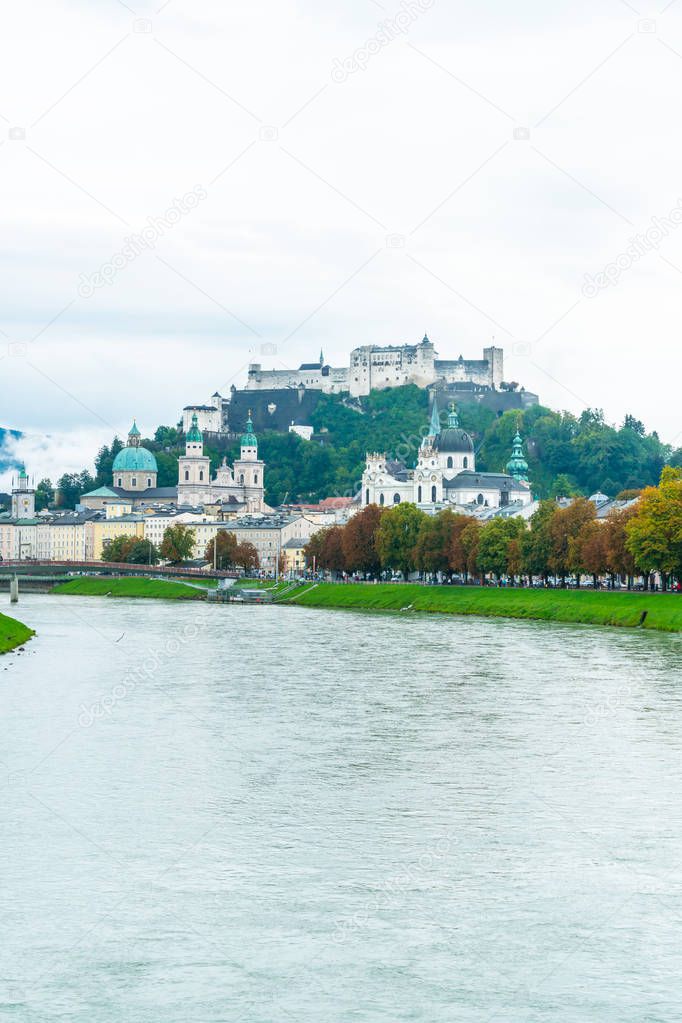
{"points": [[133, 482]]}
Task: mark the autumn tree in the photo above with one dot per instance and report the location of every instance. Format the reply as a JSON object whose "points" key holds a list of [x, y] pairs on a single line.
{"points": [[246, 556], [432, 549], [397, 537], [620, 560], [458, 559], [331, 555], [177, 544], [220, 551], [359, 540], [589, 550], [470, 539], [564, 527]]}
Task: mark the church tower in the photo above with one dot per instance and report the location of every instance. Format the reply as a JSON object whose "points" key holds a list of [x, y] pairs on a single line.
{"points": [[23, 497], [517, 466], [194, 465], [249, 470]]}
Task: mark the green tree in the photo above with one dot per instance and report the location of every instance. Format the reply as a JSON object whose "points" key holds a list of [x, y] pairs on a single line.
{"points": [[71, 486], [118, 548], [143, 552], [397, 537], [536, 543], [432, 549], [44, 494], [177, 544], [495, 545]]}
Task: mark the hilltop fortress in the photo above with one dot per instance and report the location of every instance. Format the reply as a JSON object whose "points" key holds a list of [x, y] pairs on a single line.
{"points": [[375, 367], [284, 399]]}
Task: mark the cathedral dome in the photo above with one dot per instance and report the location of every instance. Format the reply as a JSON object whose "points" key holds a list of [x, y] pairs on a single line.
{"points": [[453, 440], [135, 459]]}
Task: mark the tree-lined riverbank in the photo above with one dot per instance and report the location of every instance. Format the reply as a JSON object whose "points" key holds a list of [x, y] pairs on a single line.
{"points": [[13, 634], [627, 610]]}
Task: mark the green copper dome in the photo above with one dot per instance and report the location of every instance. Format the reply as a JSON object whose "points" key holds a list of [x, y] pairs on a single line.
{"points": [[133, 459], [249, 439], [194, 433], [517, 466]]}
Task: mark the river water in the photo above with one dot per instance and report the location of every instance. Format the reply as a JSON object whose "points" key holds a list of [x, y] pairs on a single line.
{"points": [[223, 814]]}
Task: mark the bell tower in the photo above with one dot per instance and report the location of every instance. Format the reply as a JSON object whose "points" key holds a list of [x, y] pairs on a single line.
{"points": [[23, 497], [249, 470], [194, 466]]}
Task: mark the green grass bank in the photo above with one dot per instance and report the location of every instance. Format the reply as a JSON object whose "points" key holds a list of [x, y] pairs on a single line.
{"points": [[13, 634], [664, 611], [159, 589]]}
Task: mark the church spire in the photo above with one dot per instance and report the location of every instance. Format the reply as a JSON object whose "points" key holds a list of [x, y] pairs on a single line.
{"points": [[517, 466], [434, 429], [453, 418], [134, 436]]}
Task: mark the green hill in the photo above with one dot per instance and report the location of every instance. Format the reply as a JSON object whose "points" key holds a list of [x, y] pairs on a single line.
{"points": [[567, 454]]}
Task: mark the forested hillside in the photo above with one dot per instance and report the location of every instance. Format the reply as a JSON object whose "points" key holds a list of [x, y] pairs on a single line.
{"points": [[567, 454]]}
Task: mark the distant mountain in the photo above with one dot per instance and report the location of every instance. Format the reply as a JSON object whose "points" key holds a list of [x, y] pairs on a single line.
{"points": [[5, 461]]}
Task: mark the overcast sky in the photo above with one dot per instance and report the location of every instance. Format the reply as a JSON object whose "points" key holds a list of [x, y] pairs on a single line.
{"points": [[357, 173]]}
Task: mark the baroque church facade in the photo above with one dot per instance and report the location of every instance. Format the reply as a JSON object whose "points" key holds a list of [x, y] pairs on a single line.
{"points": [[135, 474], [445, 474]]}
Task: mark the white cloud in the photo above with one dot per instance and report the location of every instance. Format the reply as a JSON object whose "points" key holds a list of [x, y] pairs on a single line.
{"points": [[423, 136]]}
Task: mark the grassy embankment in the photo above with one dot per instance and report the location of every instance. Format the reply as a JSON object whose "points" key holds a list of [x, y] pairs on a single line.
{"points": [[86, 586], [13, 634], [664, 611]]}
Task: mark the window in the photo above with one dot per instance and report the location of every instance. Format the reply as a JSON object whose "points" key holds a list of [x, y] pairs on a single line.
{"points": [[396, 499], [241, 478], [479, 499], [133, 481], [449, 461], [201, 474], [381, 499], [149, 481], [465, 462], [433, 494], [367, 496], [120, 482], [186, 474], [419, 495]]}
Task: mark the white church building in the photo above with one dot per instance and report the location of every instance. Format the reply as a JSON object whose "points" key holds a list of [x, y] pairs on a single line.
{"points": [[445, 474]]}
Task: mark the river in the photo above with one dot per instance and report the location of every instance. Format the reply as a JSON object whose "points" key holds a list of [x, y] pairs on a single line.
{"points": [[218, 814]]}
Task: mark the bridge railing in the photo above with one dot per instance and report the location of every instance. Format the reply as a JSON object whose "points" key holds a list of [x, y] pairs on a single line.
{"points": [[116, 568]]}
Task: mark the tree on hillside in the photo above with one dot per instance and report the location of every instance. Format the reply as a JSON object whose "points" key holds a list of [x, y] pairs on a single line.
{"points": [[397, 537], [44, 494], [359, 540], [104, 462], [71, 485], [177, 544], [226, 544], [654, 533]]}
